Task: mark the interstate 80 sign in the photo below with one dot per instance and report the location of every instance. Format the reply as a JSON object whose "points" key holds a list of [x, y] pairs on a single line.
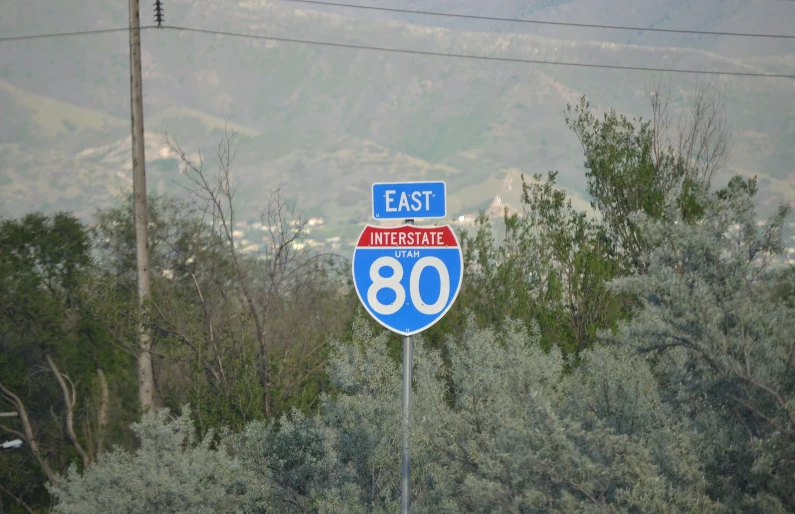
{"points": [[407, 277]]}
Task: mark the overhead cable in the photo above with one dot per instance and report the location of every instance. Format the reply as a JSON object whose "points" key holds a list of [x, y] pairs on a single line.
{"points": [[418, 52], [543, 22], [480, 57]]}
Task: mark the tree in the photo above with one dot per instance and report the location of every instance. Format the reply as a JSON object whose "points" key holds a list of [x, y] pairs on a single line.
{"points": [[55, 359], [205, 341], [550, 268], [181, 248], [552, 263], [699, 143], [519, 435], [643, 165], [285, 275], [720, 332]]}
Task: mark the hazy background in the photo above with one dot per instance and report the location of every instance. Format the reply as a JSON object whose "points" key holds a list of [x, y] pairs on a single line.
{"points": [[325, 123]]}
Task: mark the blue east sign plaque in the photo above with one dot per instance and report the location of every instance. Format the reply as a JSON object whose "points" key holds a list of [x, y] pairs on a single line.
{"points": [[409, 200]]}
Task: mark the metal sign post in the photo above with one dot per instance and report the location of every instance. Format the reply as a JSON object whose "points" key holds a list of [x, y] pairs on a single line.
{"points": [[405, 468], [407, 278]]}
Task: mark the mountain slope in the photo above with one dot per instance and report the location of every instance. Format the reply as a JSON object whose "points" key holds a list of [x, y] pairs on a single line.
{"points": [[313, 118]]}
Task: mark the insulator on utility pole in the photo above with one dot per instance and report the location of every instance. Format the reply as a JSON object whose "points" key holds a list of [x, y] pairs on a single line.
{"points": [[159, 13]]}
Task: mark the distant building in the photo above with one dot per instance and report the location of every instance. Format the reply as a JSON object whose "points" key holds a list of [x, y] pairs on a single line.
{"points": [[250, 248]]}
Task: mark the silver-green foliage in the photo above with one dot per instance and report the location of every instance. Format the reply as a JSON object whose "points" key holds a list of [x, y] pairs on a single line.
{"points": [[497, 426], [501, 428], [171, 473], [718, 321]]}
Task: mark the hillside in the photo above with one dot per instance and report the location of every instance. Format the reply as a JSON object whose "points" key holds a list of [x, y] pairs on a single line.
{"points": [[705, 15], [326, 122]]}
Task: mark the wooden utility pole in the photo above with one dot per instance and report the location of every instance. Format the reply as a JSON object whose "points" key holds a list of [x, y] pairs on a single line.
{"points": [[146, 384]]}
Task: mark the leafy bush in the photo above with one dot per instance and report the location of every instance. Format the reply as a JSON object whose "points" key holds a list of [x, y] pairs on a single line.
{"points": [[688, 408], [501, 429], [169, 473], [718, 320], [511, 433]]}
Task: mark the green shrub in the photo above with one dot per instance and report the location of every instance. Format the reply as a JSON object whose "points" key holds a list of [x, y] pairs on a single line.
{"points": [[170, 473]]}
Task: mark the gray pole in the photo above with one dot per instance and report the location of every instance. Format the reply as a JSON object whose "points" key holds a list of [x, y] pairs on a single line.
{"points": [[146, 384], [405, 472]]}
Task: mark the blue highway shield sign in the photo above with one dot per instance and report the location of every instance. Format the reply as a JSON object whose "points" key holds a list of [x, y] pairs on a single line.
{"points": [[407, 277], [409, 200]]}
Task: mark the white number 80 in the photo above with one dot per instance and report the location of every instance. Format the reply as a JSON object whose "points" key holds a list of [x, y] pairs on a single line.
{"points": [[393, 283]]}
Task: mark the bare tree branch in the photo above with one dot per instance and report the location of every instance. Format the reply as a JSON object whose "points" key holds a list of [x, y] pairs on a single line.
{"points": [[28, 434], [17, 499], [182, 262], [219, 199], [102, 415], [70, 400], [700, 141], [283, 275]]}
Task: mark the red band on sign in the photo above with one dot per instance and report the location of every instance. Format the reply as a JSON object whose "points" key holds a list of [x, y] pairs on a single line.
{"points": [[407, 236]]}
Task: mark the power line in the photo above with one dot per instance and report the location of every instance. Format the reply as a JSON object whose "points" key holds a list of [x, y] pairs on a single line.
{"points": [[78, 33], [540, 22], [479, 57], [421, 52]]}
